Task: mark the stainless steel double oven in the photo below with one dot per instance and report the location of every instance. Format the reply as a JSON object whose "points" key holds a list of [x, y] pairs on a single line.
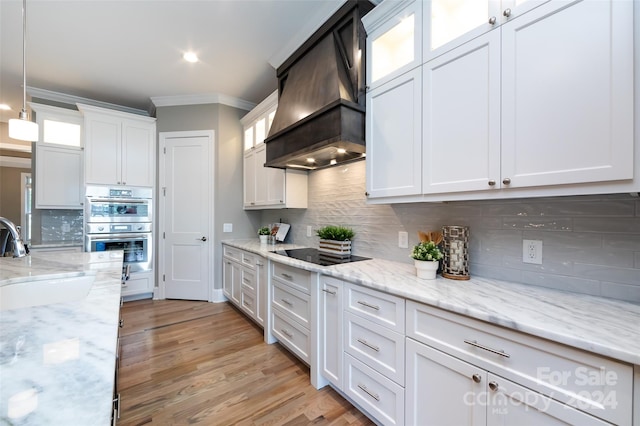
{"points": [[121, 219]]}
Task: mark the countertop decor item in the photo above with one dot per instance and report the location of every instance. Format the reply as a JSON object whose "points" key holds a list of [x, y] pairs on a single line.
{"points": [[456, 252], [426, 256], [335, 240], [264, 233]]}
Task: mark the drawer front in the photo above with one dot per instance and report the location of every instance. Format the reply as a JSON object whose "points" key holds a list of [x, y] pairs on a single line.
{"points": [[293, 302], [249, 259], [291, 335], [376, 346], [248, 278], [136, 285], [381, 308], [297, 278], [248, 302], [591, 383], [377, 395], [232, 253]]}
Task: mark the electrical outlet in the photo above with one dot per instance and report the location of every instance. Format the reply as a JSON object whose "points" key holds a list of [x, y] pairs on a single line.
{"points": [[309, 231], [227, 227], [403, 239], [532, 251]]}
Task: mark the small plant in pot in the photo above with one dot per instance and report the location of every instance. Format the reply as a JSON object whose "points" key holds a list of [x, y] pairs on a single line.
{"points": [[335, 240], [426, 256], [264, 233]]}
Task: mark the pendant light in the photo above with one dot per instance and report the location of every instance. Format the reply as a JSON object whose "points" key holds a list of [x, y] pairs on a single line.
{"points": [[21, 128]]}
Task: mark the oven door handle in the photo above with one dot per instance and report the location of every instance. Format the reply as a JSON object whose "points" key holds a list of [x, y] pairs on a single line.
{"points": [[120, 200], [111, 237]]}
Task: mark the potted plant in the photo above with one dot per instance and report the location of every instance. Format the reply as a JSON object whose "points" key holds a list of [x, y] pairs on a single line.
{"points": [[335, 240], [264, 233], [426, 256]]}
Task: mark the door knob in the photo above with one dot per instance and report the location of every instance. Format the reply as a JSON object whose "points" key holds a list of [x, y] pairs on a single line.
{"points": [[493, 386], [202, 239], [477, 378], [507, 12], [506, 181], [492, 20]]}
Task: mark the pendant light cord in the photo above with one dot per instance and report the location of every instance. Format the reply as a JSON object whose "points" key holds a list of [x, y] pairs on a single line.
{"points": [[23, 113]]}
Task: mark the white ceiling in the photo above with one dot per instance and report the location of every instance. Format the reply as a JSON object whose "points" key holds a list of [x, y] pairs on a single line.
{"points": [[125, 52]]}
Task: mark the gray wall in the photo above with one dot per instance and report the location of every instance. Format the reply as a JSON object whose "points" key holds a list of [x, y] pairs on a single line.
{"points": [[228, 182], [591, 244], [10, 182]]}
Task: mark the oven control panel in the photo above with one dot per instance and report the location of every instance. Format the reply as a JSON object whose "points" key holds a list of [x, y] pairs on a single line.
{"points": [[117, 228]]}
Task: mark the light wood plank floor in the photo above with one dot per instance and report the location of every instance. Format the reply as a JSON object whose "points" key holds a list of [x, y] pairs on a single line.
{"points": [[185, 362]]}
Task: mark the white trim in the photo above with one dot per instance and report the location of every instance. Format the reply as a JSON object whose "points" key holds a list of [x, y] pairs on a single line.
{"points": [[160, 207], [218, 296], [261, 109], [23, 184], [17, 162], [15, 147], [203, 98], [73, 100], [116, 113]]}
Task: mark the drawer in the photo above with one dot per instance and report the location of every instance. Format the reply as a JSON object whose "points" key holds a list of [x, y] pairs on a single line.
{"points": [[291, 335], [297, 278], [250, 260], [376, 346], [248, 279], [232, 253], [381, 308], [137, 285], [594, 384], [380, 397], [248, 302], [292, 302]]}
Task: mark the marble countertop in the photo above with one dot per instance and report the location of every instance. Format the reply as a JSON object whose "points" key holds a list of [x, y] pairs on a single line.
{"points": [[602, 326], [57, 361]]}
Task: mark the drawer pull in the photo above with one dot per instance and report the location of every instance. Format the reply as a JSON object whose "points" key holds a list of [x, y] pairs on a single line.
{"points": [[369, 345], [287, 276], [368, 392], [333, 293], [486, 348], [493, 386], [477, 378], [368, 305], [287, 302], [287, 333]]}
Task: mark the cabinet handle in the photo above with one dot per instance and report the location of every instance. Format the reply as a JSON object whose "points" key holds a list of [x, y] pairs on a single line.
{"points": [[486, 348], [116, 402], [287, 302], [507, 12], [287, 276], [286, 333], [477, 378], [369, 345], [124, 183], [492, 182], [368, 392], [259, 264], [368, 305], [493, 386], [333, 293], [506, 181], [492, 20]]}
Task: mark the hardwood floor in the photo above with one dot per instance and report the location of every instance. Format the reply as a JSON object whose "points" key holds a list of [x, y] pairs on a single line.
{"points": [[185, 362]]}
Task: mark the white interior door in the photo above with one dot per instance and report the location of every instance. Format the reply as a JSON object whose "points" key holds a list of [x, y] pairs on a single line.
{"points": [[186, 194]]}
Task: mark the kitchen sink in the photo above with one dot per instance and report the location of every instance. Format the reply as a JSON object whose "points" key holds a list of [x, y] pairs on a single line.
{"points": [[46, 290]]}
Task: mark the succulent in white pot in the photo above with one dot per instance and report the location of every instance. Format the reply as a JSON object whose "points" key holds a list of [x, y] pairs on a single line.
{"points": [[426, 256], [264, 233]]}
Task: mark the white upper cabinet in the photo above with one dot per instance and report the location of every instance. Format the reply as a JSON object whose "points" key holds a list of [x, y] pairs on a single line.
{"points": [[268, 187], [119, 147], [58, 158]]}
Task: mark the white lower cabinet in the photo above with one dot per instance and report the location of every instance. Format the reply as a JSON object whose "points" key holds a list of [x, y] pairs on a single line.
{"points": [[331, 296], [138, 283], [244, 282]]}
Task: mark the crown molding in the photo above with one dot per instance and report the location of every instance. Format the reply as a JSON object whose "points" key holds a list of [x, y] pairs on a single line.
{"points": [[203, 98], [17, 162], [73, 100], [262, 108]]}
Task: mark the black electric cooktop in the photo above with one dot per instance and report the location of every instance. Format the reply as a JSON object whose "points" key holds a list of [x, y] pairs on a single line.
{"points": [[313, 255]]}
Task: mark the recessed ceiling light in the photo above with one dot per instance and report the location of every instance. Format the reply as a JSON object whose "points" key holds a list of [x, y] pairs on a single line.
{"points": [[190, 57], [5, 107]]}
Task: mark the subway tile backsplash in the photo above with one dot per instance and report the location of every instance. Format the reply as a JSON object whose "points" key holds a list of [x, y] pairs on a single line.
{"points": [[591, 244], [61, 226]]}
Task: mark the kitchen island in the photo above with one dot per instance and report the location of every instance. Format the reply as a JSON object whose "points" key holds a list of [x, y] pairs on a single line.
{"points": [[57, 361]]}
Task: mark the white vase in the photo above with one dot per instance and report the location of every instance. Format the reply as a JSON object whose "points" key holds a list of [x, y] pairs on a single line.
{"points": [[264, 239], [426, 269]]}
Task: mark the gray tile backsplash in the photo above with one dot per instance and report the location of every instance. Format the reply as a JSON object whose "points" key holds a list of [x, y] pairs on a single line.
{"points": [[61, 226], [591, 244]]}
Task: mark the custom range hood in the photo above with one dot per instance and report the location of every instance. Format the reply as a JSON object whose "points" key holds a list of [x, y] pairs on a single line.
{"points": [[319, 121]]}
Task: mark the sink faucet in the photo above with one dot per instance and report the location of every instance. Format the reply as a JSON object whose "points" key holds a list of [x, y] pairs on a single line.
{"points": [[18, 245]]}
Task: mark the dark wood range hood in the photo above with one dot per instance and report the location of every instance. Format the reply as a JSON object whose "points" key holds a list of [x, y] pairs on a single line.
{"points": [[321, 96]]}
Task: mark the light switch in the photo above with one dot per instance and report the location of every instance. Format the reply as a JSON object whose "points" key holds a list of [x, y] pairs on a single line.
{"points": [[403, 239], [227, 227]]}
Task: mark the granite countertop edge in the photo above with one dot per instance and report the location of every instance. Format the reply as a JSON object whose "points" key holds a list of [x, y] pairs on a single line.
{"points": [[602, 326]]}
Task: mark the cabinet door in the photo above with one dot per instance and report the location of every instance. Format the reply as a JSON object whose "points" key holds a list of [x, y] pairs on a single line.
{"points": [[138, 153], [249, 176], [103, 137], [276, 181], [59, 183], [461, 124], [394, 137], [442, 390], [331, 329], [260, 173], [567, 94], [231, 286], [511, 404]]}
